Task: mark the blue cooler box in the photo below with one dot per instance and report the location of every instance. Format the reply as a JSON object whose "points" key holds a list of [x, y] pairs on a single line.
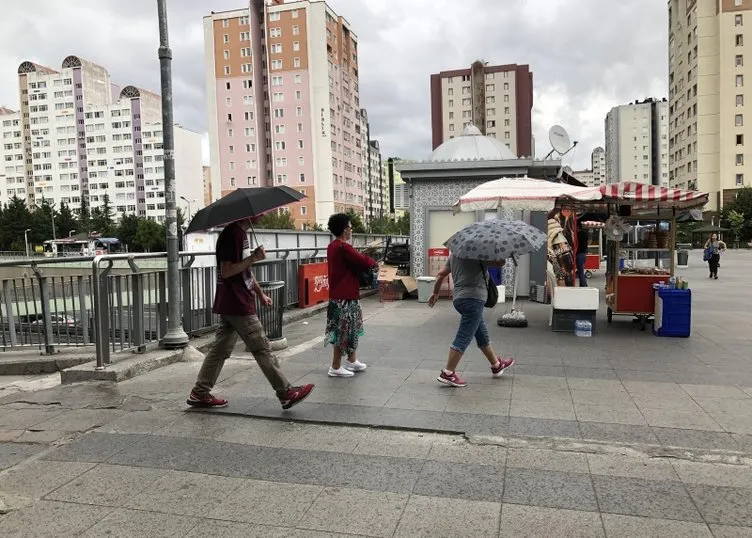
{"points": [[673, 313]]}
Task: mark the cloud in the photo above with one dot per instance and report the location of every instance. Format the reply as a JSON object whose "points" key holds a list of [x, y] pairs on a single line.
{"points": [[586, 55]]}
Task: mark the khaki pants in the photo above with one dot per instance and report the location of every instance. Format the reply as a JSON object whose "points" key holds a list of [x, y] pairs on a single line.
{"points": [[252, 333]]}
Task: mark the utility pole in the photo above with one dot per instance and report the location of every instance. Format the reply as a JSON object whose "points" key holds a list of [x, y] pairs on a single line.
{"points": [[176, 336]]}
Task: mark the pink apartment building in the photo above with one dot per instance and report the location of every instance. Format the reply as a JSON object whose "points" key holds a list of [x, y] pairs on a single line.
{"points": [[282, 86]]}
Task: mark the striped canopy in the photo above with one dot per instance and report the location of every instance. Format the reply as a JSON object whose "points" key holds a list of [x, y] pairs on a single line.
{"points": [[522, 194], [651, 196]]}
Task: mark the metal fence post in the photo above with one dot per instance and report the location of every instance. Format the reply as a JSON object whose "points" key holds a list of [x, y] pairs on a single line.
{"points": [[44, 298], [209, 281], [137, 287], [187, 300], [9, 314], [101, 307], [162, 303]]}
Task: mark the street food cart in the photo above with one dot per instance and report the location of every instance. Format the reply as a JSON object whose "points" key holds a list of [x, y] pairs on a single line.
{"points": [[641, 243], [595, 247]]}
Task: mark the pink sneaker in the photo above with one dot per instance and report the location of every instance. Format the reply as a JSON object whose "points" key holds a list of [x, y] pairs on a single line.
{"points": [[501, 365], [451, 378]]}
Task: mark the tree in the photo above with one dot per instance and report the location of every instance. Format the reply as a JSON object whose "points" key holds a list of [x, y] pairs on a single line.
{"points": [[386, 226], [356, 222], [66, 221], [16, 218], [102, 218], [127, 230], [313, 227], [84, 215], [281, 220], [742, 204], [150, 235], [737, 222]]}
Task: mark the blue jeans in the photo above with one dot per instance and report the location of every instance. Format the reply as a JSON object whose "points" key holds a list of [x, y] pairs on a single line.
{"points": [[581, 269], [472, 324]]}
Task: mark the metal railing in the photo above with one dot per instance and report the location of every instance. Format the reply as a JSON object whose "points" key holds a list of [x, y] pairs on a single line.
{"points": [[48, 303]]}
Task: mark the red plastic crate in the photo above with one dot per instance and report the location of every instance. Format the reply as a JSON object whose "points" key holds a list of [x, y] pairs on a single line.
{"points": [[389, 291]]}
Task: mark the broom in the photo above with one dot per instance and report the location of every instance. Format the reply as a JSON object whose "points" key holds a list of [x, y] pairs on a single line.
{"points": [[515, 318]]}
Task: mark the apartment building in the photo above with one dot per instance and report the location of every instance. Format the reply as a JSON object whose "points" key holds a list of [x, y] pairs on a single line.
{"points": [[374, 181], [78, 136], [598, 166], [707, 72], [284, 106], [497, 99], [585, 176], [399, 201], [637, 143]]}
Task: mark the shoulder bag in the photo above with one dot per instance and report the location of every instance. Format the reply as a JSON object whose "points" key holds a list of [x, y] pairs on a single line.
{"points": [[492, 298], [366, 277]]}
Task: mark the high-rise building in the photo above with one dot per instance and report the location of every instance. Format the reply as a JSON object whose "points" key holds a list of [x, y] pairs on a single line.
{"points": [[208, 191], [374, 182], [637, 143], [78, 137], [708, 132], [284, 107], [497, 99], [598, 165], [585, 176], [399, 201]]}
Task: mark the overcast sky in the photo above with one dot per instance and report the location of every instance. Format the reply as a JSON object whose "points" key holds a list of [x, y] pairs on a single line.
{"points": [[586, 55]]}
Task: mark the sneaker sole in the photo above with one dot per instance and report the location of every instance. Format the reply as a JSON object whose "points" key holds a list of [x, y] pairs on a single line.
{"points": [[205, 406], [450, 383], [501, 372], [296, 402], [355, 370], [352, 374]]}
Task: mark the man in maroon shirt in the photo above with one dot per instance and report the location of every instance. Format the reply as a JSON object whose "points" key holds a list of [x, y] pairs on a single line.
{"points": [[235, 302]]}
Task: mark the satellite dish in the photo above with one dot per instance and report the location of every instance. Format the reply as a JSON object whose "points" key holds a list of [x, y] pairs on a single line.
{"points": [[560, 141]]}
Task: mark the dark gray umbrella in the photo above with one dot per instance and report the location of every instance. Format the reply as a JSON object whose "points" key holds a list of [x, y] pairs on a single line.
{"points": [[495, 239], [242, 204]]}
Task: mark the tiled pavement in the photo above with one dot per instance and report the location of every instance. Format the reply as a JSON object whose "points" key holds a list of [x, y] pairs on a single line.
{"points": [[624, 434]]}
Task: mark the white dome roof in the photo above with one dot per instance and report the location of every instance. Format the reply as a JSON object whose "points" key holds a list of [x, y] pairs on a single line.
{"points": [[472, 145]]}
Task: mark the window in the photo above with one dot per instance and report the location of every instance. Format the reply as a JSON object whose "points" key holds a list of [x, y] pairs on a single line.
{"points": [[299, 111], [301, 161], [739, 120], [740, 179], [245, 36], [248, 116], [451, 102], [296, 62], [275, 32], [279, 129], [280, 145], [507, 135], [226, 38], [300, 144], [247, 99], [298, 79], [250, 147], [248, 131], [296, 46], [296, 30], [243, 21], [279, 112], [251, 180], [277, 80], [274, 16], [225, 23], [739, 140], [491, 123], [281, 161], [278, 97], [740, 100], [227, 70], [276, 64], [232, 182], [739, 40], [451, 126], [276, 48], [738, 20], [246, 68], [294, 13], [740, 159], [228, 102], [226, 54], [301, 177], [281, 178], [245, 52], [298, 95], [300, 127]]}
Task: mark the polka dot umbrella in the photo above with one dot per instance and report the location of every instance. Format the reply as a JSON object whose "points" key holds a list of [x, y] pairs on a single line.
{"points": [[495, 239]]}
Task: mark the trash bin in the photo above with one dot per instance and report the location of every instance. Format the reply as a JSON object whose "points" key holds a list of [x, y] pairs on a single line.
{"points": [[425, 288], [271, 316], [682, 258]]}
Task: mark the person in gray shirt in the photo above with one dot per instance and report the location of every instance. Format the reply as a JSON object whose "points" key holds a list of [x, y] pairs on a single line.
{"points": [[469, 295]]}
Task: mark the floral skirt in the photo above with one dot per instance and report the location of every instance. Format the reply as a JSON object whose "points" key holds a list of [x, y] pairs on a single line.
{"points": [[344, 325]]}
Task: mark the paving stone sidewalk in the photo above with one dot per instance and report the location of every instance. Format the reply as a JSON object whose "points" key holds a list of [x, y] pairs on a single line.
{"points": [[624, 434]]}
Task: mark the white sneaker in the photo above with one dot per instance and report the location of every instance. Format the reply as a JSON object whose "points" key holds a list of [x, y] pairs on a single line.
{"points": [[340, 372], [356, 366]]}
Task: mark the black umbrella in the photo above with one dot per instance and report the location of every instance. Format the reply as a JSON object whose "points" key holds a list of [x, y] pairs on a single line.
{"points": [[243, 204]]}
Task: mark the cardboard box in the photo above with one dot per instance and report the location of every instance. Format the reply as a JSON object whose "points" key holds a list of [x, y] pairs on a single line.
{"points": [[388, 274]]}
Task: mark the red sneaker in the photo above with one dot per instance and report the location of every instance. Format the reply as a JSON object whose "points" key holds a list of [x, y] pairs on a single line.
{"points": [[451, 378], [295, 395], [207, 400], [501, 365]]}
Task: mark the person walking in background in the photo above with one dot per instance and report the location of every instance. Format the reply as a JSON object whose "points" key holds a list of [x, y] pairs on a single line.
{"points": [[235, 302], [582, 251], [344, 317], [470, 291], [713, 248]]}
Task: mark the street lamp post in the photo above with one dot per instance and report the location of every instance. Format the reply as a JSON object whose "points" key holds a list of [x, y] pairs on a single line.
{"points": [[70, 233], [26, 240], [175, 336], [189, 202]]}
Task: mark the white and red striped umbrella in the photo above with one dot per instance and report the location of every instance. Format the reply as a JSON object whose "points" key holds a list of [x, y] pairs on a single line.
{"points": [[522, 194], [653, 196]]}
